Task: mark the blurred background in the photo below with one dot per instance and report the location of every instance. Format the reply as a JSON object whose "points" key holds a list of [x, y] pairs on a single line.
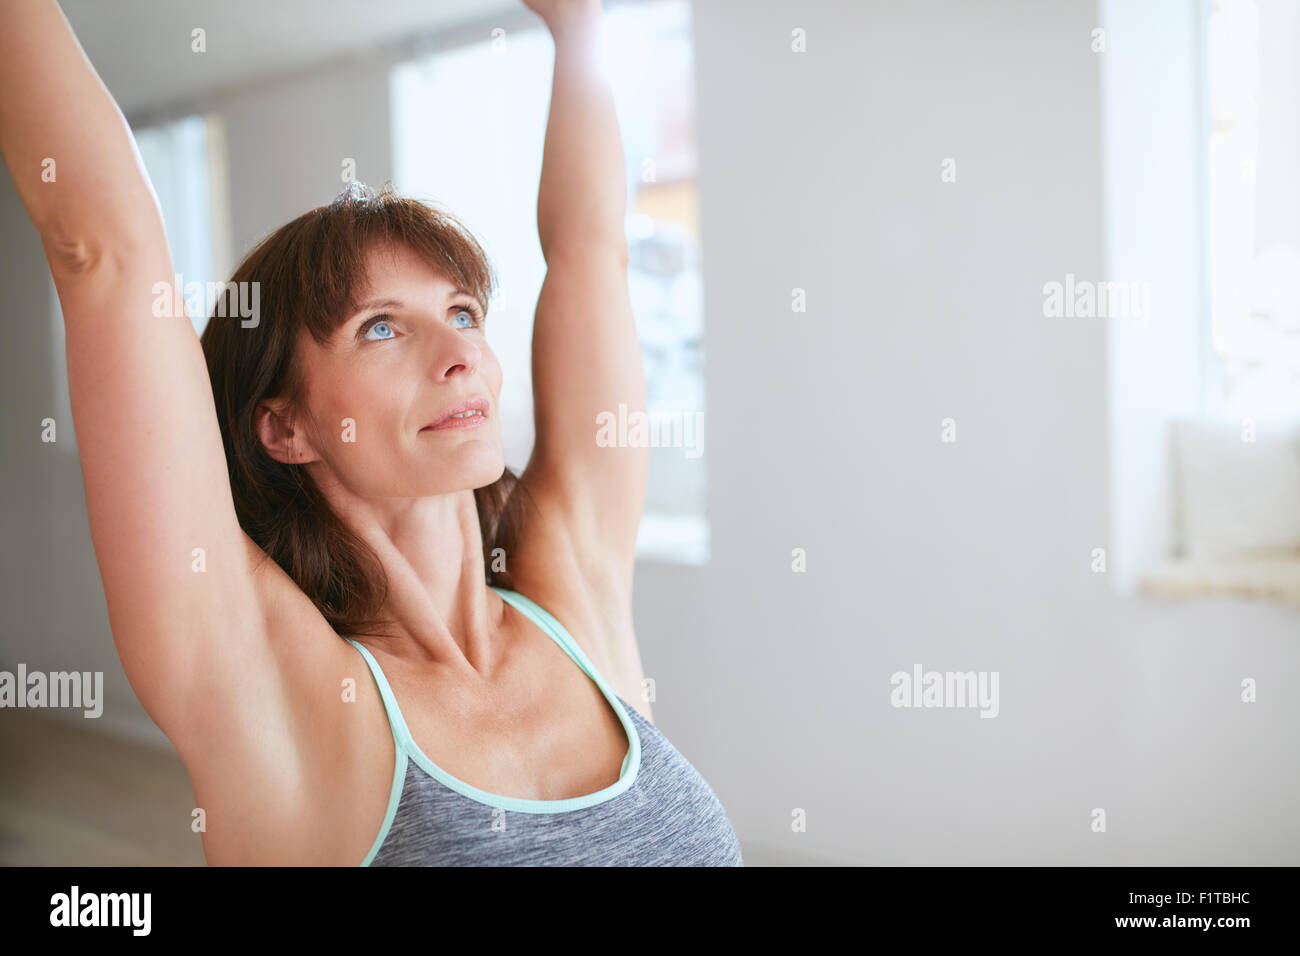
{"points": [[991, 314]]}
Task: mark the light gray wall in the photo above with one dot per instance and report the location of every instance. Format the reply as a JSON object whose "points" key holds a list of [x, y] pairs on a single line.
{"points": [[286, 145], [821, 171]]}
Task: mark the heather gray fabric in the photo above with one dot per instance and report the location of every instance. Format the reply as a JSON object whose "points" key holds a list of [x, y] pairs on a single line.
{"points": [[661, 812]]}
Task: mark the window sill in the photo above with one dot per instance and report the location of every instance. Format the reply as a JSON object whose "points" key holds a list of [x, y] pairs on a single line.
{"points": [[1274, 578]]}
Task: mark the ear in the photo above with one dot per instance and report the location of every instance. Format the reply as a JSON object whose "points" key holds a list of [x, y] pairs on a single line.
{"points": [[280, 438]]}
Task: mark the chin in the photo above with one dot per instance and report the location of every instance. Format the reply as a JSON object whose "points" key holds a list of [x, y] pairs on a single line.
{"points": [[486, 473]]}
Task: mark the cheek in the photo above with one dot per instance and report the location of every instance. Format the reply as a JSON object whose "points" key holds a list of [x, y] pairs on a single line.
{"points": [[363, 406], [491, 369]]}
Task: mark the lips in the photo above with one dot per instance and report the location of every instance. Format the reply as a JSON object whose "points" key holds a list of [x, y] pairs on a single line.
{"points": [[477, 403]]}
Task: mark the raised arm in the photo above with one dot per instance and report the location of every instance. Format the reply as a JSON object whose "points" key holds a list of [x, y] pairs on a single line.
{"points": [[586, 354], [151, 452], [67, 145]]}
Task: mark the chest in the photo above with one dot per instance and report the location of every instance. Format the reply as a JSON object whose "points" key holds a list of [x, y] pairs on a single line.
{"points": [[543, 731]]}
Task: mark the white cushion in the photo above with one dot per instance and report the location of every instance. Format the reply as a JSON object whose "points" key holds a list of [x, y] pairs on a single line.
{"points": [[1239, 499]]}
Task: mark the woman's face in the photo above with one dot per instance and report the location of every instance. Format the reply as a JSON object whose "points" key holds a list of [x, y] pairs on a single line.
{"points": [[414, 352]]}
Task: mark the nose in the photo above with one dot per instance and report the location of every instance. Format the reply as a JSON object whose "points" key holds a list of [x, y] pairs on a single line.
{"points": [[454, 353]]}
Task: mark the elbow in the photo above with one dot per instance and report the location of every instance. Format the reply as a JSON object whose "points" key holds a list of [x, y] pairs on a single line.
{"points": [[79, 252], [73, 253]]}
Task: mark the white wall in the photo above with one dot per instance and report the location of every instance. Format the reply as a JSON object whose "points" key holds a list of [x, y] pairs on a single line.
{"points": [[821, 171]]}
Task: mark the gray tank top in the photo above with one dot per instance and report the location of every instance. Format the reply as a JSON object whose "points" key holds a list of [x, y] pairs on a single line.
{"points": [[661, 812]]}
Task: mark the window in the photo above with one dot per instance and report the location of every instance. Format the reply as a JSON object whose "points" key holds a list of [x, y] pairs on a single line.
{"points": [[1254, 197], [1199, 139], [475, 147], [176, 157]]}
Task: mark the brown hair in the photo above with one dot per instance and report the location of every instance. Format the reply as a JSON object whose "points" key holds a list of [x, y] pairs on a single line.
{"points": [[309, 274]]}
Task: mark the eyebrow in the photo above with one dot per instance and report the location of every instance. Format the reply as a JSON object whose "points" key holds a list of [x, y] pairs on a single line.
{"points": [[396, 304]]}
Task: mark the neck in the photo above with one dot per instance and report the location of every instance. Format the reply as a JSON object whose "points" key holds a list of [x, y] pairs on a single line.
{"points": [[431, 549]]}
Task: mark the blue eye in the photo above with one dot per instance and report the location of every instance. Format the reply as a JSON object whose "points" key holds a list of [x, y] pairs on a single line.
{"points": [[472, 321], [379, 325]]}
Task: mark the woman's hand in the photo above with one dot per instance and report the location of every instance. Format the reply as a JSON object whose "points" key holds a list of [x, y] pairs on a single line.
{"points": [[557, 12]]}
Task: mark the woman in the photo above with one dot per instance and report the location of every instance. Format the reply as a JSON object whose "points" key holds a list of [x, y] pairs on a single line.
{"points": [[300, 478]]}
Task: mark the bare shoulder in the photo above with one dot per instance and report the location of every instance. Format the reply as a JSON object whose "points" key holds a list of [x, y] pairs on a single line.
{"points": [[554, 568]]}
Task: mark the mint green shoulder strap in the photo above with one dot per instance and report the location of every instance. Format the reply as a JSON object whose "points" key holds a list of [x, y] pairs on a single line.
{"points": [[543, 619], [401, 735]]}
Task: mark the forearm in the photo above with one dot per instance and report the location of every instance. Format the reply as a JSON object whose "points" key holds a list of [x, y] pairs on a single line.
{"points": [[582, 198], [68, 147]]}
